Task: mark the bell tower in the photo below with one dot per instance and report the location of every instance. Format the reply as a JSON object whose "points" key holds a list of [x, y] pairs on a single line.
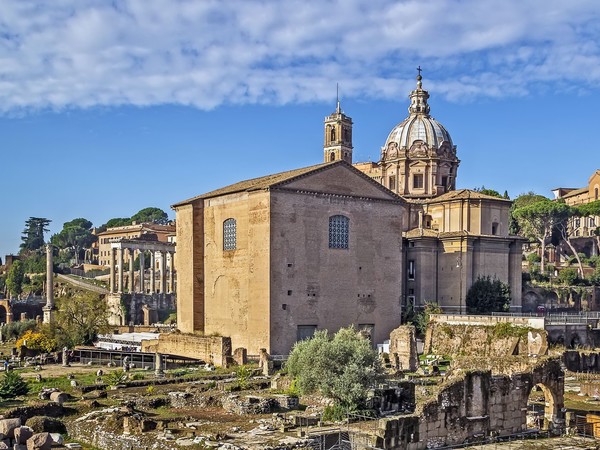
{"points": [[338, 136]]}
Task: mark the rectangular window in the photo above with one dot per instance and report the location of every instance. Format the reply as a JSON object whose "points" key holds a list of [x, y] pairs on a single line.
{"points": [[577, 223], [494, 228], [229, 234], [592, 222], [445, 181], [392, 183], [418, 181], [305, 332], [411, 269], [339, 230]]}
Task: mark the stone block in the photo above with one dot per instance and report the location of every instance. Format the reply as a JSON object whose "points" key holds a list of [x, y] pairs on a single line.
{"points": [[40, 441], [7, 427], [240, 356], [22, 433], [57, 438], [403, 349], [59, 397]]}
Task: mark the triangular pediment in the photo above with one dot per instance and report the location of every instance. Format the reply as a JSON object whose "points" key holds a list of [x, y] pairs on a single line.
{"points": [[339, 179]]}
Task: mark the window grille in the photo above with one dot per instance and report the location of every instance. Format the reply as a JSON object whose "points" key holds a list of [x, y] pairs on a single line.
{"points": [[229, 234], [339, 229]]}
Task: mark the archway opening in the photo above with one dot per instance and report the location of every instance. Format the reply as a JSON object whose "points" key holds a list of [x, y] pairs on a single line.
{"points": [[540, 408], [2, 314]]}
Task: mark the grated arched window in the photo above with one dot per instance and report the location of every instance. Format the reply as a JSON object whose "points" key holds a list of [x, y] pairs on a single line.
{"points": [[339, 230], [229, 234]]}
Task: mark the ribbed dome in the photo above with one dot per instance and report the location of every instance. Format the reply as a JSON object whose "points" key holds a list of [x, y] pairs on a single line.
{"points": [[419, 127], [430, 136]]}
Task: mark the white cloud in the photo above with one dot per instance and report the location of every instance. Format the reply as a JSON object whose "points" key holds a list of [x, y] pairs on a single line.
{"points": [[65, 54]]}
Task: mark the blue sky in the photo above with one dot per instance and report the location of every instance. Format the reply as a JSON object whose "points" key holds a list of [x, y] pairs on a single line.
{"points": [[110, 107]]}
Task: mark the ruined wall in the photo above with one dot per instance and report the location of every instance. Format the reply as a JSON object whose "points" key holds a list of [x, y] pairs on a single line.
{"points": [[472, 407], [403, 348], [502, 339], [561, 298], [211, 349], [582, 361]]}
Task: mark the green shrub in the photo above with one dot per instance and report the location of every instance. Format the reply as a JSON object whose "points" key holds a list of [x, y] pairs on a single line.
{"points": [[335, 413], [14, 330], [13, 385], [116, 377], [488, 295], [567, 276], [341, 367], [242, 375]]}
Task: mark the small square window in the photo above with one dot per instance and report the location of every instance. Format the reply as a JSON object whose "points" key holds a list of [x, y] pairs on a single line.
{"points": [[418, 181], [290, 292]]}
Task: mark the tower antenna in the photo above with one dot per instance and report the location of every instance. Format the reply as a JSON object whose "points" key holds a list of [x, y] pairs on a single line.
{"points": [[337, 94]]}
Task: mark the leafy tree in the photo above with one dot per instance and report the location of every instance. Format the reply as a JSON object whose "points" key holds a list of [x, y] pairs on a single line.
{"points": [[567, 276], [33, 235], [12, 385], [15, 278], [420, 319], [519, 202], [537, 220], [341, 367], [36, 340], [117, 222], [488, 295], [566, 232], [14, 330], [591, 209], [34, 263], [153, 215], [79, 320], [491, 192], [75, 236]]}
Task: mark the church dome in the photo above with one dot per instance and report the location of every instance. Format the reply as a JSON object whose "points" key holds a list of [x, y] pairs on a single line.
{"points": [[419, 132]]}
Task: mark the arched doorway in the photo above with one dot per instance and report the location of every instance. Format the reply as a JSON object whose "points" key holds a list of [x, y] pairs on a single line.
{"points": [[541, 408]]}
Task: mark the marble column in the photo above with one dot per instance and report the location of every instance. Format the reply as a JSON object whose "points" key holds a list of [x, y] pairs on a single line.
{"points": [[113, 274], [142, 264], [171, 273], [163, 272], [120, 256], [152, 272], [131, 285], [48, 308]]}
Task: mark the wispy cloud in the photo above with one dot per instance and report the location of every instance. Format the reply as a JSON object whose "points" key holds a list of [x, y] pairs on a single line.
{"points": [[70, 54]]}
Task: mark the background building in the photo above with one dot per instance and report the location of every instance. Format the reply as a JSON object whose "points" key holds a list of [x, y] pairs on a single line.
{"points": [[268, 261]]}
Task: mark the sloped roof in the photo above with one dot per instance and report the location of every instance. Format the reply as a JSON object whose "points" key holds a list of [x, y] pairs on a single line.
{"points": [[270, 181], [464, 194], [575, 192]]}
